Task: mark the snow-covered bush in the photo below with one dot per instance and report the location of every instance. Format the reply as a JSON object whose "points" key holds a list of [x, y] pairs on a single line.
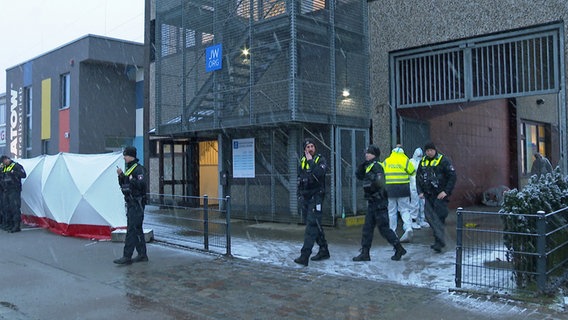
{"points": [[547, 193]]}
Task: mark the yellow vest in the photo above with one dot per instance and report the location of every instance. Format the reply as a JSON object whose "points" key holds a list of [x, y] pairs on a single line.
{"points": [[398, 169], [431, 163], [304, 162]]}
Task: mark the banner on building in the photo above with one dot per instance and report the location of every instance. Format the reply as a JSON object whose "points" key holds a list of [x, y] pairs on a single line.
{"points": [[16, 122]]}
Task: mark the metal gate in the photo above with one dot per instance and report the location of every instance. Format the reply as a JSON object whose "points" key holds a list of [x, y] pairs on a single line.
{"points": [[351, 144], [517, 64], [506, 65], [414, 134]]}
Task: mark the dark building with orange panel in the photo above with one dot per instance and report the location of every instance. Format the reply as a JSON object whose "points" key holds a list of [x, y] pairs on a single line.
{"points": [[83, 97]]}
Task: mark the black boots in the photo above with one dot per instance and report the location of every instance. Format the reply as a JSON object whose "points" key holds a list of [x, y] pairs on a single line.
{"points": [[302, 259], [140, 258], [15, 228], [123, 260], [399, 251], [363, 256], [323, 254], [437, 247]]}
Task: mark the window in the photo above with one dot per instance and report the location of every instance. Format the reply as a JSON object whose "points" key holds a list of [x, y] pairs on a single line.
{"points": [[535, 137], [2, 114], [28, 96], [65, 91]]}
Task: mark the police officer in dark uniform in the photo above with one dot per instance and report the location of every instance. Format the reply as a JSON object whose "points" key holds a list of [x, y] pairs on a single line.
{"points": [[12, 175], [311, 192], [372, 173], [133, 183], [3, 219], [435, 181]]}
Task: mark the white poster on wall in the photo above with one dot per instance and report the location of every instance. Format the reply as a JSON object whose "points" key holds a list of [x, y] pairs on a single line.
{"points": [[243, 158]]}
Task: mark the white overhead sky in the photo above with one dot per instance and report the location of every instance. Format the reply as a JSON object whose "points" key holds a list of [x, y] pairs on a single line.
{"points": [[30, 28]]}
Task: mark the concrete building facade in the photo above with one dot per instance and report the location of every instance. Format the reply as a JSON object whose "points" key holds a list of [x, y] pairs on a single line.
{"points": [[484, 80], [83, 97]]}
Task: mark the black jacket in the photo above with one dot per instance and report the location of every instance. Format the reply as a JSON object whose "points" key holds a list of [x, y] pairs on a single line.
{"points": [[12, 176], [311, 175], [133, 181], [435, 175], [372, 174]]}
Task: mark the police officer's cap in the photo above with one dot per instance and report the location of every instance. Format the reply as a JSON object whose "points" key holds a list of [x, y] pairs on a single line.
{"points": [[308, 141], [129, 151], [373, 149], [4, 157], [429, 145]]}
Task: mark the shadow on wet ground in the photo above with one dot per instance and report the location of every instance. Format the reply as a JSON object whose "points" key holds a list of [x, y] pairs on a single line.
{"points": [[47, 276]]}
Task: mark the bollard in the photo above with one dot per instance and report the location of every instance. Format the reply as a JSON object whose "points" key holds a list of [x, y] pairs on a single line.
{"points": [[205, 223], [228, 219]]}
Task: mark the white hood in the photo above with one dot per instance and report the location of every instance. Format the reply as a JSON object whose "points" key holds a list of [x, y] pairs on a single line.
{"points": [[417, 154]]}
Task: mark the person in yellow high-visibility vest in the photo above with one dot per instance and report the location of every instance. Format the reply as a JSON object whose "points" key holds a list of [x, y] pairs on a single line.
{"points": [[371, 173], [436, 179], [398, 169], [12, 175], [311, 193]]}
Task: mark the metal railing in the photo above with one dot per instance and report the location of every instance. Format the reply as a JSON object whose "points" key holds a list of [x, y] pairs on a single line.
{"points": [[509, 253], [195, 222]]}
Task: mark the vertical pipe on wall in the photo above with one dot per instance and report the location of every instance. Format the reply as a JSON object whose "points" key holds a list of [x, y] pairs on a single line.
{"points": [[562, 96], [292, 99], [293, 137]]}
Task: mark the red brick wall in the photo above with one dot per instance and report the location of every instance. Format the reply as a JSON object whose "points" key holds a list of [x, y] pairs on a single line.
{"points": [[476, 138]]}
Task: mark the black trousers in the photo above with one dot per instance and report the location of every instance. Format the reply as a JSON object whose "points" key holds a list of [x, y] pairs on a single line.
{"points": [[436, 212], [12, 203], [134, 232], [377, 216], [311, 209]]}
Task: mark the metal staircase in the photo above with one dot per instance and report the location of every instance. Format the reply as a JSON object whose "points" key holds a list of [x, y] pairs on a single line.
{"points": [[229, 86]]}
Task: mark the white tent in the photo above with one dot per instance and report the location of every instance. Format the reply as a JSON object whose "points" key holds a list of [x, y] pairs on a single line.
{"points": [[74, 194]]}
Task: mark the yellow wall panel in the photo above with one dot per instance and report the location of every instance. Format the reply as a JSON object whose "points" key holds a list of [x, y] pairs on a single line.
{"points": [[45, 109]]}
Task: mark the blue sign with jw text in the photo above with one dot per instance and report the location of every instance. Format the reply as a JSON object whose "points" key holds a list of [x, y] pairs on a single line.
{"points": [[213, 57]]}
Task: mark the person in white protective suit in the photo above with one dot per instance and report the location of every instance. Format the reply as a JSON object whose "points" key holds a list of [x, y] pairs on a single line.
{"points": [[417, 204]]}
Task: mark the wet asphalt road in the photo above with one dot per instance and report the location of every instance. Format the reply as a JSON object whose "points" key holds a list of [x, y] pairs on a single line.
{"points": [[47, 276]]}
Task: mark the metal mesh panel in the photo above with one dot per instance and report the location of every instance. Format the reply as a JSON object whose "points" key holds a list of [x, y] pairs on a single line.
{"points": [[348, 15], [351, 91], [266, 197], [253, 85], [533, 260], [351, 153]]}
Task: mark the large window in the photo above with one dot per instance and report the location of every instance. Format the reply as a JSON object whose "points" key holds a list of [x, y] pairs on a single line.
{"points": [[65, 90], [535, 137]]}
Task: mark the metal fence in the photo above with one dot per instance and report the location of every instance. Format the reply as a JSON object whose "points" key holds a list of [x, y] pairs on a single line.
{"points": [[511, 253], [196, 222]]}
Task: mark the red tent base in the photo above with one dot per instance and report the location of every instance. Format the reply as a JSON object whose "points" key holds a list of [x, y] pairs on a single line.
{"points": [[87, 231]]}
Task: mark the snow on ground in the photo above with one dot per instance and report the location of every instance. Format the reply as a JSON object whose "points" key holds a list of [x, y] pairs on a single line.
{"points": [[279, 244], [419, 267]]}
